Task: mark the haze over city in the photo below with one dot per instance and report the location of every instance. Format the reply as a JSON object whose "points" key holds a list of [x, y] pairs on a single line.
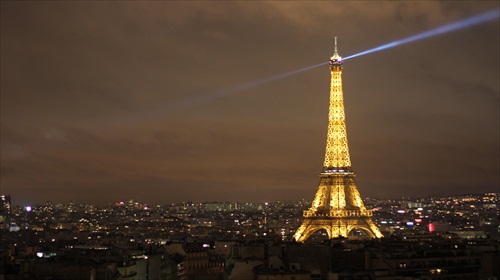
{"points": [[107, 101]]}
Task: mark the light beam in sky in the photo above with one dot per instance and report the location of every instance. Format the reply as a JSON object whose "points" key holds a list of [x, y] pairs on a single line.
{"points": [[178, 106], [477, 19], [248, 85], [471, 21]]}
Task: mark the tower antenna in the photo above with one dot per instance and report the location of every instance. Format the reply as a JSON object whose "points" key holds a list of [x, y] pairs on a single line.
{"points": [[336, 59], [335, 45]]}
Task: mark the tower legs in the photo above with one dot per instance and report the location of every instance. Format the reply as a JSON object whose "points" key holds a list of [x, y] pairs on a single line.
{"points": [[336, 227]]}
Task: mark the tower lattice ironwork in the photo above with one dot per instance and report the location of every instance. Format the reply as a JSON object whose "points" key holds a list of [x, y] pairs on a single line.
{"points": [[337, 206]]}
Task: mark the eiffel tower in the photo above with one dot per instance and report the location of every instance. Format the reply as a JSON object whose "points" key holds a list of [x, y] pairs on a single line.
{"points": [[337, 206]]}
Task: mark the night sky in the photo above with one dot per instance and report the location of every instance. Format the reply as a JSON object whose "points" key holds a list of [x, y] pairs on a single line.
{"points": [[110, 101]]}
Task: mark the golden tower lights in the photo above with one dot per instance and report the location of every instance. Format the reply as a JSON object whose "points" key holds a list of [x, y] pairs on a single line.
{"points": [[337, 206]]}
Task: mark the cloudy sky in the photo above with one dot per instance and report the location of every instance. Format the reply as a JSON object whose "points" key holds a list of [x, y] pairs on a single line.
{"points": [[107, 101]]}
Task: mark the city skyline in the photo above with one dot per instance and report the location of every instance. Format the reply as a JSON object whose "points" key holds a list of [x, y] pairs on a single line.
{"points": [[109, 101]]}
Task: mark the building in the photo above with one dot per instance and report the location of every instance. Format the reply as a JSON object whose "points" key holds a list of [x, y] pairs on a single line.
{"points": [[5, 207], [337, 207]]}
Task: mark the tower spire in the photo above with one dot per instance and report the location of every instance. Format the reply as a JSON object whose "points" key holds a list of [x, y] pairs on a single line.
{"points": [[335, 44], [336, 59]]}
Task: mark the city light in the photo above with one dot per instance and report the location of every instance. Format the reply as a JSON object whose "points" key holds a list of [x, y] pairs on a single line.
{"points": [[431, 227], [166, 226]]}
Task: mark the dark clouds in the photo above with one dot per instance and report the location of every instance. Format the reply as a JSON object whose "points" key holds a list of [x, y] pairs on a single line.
{"points": [[105, 101]]}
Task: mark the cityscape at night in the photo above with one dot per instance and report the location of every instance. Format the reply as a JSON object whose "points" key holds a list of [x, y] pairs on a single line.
{"points": [[456, 235], [178, 140]]}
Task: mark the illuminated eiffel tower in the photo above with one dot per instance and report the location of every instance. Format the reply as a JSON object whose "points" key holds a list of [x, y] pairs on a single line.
{"points": [[337, 206]]}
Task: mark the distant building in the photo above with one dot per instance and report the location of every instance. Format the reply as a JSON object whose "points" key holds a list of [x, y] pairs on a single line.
{"points": [[223, 248], [5, 207], [219, 206], [81, 267], [278, 269]]}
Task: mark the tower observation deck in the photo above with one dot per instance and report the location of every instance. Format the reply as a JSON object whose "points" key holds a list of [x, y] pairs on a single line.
{"points": [[337, 206]]}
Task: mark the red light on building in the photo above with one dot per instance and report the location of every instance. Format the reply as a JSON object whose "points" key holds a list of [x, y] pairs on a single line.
{"points": [[431, 227]]}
